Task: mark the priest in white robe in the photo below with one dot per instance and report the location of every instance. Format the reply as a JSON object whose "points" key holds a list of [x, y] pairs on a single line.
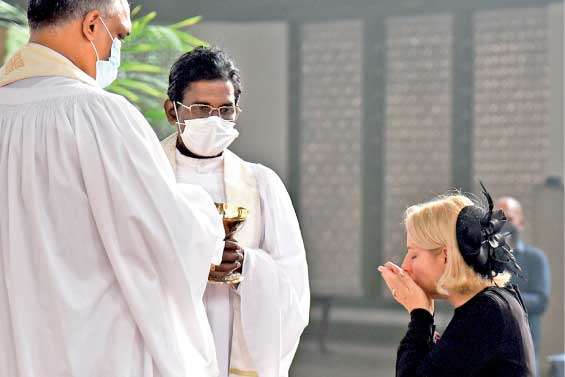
{"points": [[258, 323], [104, 258]]}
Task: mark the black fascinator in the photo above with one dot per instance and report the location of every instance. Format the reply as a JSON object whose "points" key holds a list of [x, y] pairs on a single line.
{"points": [[481, 241]]}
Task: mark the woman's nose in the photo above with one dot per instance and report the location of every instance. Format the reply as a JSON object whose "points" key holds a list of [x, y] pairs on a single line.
{"points": [[405, 264]]}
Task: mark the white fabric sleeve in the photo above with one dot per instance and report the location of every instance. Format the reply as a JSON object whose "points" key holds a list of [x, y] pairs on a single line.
{"points": [[275, 295], [160, 237]]}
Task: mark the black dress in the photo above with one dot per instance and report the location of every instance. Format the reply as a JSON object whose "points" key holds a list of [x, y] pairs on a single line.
{"points": [[487, 336]]}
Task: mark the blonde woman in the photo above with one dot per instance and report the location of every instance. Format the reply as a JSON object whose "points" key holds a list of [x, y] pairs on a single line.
{"points": [[457, 252]]}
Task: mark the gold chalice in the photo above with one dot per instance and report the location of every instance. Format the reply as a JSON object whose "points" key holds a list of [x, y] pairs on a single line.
{"points": [[233, 217]]}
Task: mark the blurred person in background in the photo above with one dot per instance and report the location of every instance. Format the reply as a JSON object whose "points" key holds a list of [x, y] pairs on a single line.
{"points": [[535, 285], [457, 252]]}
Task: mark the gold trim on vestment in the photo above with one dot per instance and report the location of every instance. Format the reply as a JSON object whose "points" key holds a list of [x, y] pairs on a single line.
{"points": [[245, 373]]}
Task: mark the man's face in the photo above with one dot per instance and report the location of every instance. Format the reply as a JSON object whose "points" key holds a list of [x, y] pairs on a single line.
{"points": [[213, 93], [119, 25], [513, 212], [94, 33]]}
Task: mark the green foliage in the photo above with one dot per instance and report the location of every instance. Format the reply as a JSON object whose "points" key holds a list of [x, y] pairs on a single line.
{"points": [[14, 20], [12, 14], [142, 80]]}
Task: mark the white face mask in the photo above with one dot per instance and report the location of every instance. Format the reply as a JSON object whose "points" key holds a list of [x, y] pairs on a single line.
{"points": [[107, 70], [208, 137]]}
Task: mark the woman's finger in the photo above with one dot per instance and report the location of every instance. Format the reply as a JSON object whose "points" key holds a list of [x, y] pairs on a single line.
{"points": [[395, 268], [409, 282], [399, 273], [391, 280], [399, 292]]}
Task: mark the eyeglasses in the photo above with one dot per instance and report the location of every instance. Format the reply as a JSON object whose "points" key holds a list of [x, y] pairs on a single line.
{"points": [[198, 110]]}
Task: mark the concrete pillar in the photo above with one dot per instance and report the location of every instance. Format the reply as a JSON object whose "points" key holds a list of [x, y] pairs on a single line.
{"points": [[556, 41], [548, 236], [547, 217]]}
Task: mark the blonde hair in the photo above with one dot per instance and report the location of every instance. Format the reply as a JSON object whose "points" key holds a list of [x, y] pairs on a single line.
{"points": [[431, 226]]}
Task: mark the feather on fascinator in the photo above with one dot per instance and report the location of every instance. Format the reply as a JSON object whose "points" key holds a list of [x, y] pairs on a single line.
{"points": [[481, 241]]}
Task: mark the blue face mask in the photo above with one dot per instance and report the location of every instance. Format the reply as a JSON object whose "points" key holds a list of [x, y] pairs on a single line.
{"points": [[107, 70]]}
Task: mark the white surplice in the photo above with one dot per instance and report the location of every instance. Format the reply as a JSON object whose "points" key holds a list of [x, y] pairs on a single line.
{"points": [[104, 258], [209, 174], [272, 303]]}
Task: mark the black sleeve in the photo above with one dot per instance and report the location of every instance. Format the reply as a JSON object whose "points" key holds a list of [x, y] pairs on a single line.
{"points": [[464, 348], [416, 344]]}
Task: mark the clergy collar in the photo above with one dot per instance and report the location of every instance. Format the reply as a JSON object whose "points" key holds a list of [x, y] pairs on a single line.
{"points": [[201, 165]]}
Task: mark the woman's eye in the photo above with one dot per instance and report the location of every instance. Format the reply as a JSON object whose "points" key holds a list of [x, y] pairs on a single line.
{"points": [[413, 257]]}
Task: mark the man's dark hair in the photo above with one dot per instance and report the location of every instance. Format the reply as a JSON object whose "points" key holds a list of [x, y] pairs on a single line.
{"points": [[202, 63], [51, 12]]}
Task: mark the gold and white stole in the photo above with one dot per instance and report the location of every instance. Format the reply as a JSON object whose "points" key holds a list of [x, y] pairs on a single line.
{"points": [[35, 60]]}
